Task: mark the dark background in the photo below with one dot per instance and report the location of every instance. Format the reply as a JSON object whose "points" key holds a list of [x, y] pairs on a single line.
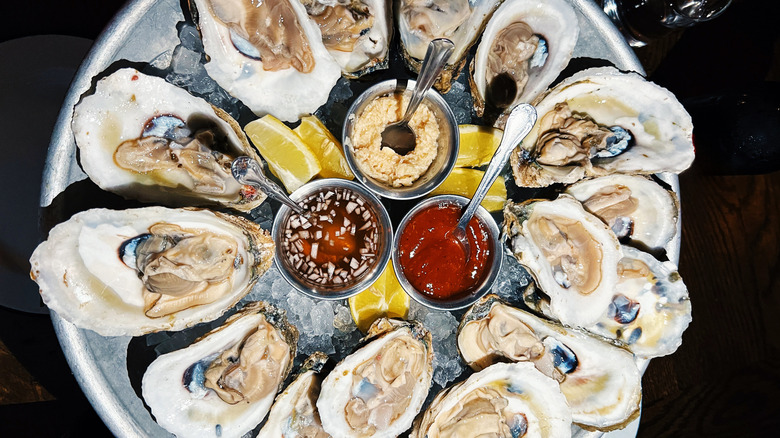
{"points": [[739, 49]]}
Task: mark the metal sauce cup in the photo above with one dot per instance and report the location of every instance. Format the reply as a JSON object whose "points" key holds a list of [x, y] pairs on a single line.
{"points": [[448, 143]]}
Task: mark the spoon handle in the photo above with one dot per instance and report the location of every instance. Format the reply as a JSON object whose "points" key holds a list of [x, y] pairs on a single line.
{"points": [[435, 58], [247, 171], [518, 125]]}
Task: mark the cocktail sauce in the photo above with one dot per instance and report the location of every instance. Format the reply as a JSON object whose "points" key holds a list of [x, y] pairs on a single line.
{"points": [[433, 260]]}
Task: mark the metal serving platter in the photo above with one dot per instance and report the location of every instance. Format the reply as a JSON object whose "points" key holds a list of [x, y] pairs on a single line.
{"points": [[141, 31]]}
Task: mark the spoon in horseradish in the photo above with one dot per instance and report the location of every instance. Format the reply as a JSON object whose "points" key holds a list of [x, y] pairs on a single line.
{"points": [[248, 171], [399, 136], [518, 125]]}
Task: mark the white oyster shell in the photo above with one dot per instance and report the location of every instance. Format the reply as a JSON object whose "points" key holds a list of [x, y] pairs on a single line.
{"points": [[524, 401], [571, 253], [554, 20], [600, 381], [124, 106], [83, 278], [399, 356], [660, 126], [371, 32], [287, 94], [635, 207], [173, 384], [651, 308], [461, 21]]}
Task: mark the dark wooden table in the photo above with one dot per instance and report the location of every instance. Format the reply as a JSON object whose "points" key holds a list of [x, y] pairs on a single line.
{"points": [[722, 382]]}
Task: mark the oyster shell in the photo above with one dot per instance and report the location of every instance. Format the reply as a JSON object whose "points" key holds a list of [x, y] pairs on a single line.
{"points": [[649, 311], [267, 54], [602, 121], [525, 46], [571, 253], [223, 384], [294, 413], [143, 138], [379, 389], [461, 21], [600, 381], [355, 32], [136, 271], [635, 207], [506, 400]]}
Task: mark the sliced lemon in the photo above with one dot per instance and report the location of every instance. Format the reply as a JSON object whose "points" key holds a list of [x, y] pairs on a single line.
{"points": [[287, 155], [464, 182], [477, 145], [385, 297], [325, 146]]}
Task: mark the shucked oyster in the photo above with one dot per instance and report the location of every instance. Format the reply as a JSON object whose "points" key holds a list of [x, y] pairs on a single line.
{"points": [[223, 384], [421, 21], [377, 390], [355, 32], [600, 381], [525, 46], [602, 121], [143, 138], [571, 253], [267, 54], [294, 413], [137, 271], [635, 207], [503, 400]]}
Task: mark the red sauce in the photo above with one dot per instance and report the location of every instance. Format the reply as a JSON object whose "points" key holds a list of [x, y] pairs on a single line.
{"points": [[433, 261]]}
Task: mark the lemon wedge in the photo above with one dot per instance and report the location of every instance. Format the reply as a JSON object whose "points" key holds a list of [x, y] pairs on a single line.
{"points": [[287, 155], [464, 182], [477, 145], [325, 146], [385, 297]]}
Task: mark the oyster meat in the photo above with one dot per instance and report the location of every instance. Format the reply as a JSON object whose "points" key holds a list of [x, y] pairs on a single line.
{"points": [[600, 381], [223, 384], [294, 413], [525, 46], [503, 400], [571, 253], [267, 54], [601, 121], [355, 32], [379, 389], [421, 21], [635, 207], [143, 138], [136, 271]]}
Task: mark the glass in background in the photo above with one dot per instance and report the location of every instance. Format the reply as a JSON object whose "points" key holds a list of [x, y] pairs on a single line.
{"points": [[642, 21]]}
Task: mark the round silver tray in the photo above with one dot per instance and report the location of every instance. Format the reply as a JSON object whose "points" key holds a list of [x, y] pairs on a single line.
{"points": [[142, 30]]}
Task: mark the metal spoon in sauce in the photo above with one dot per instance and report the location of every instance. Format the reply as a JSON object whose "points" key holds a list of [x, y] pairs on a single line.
{"points": [[399, 136], [518, 125], [248, 171]]}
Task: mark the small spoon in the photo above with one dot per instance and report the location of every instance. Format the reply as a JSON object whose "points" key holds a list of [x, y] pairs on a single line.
{"points": [[399, 136], [518, 125], [248, 171]]}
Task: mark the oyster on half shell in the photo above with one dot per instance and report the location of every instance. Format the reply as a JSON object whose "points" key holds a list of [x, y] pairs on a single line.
{"points": [[525, 46], [223, 384], [267, 54], [379, 389], [421, 21], [571, 254], [600, 381], [502, 400], [602, 121], [355, 32], [143, 138], [136, 271]]}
